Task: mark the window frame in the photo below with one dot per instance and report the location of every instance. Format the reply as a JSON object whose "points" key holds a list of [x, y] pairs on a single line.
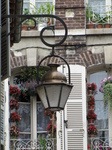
{"points": [[96, 69]]}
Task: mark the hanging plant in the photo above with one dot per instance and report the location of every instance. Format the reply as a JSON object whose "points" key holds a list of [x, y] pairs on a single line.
{"points": [[14, 131], [106, 89], [14, 103], [14, 91], [91, 115], [91, 101], [14, 117], [92, 130], [91, 86]]}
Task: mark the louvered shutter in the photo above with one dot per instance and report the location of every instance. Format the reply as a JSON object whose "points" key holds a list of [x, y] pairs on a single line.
{"points": [[5, 42], [75, 131], [2, 112]]}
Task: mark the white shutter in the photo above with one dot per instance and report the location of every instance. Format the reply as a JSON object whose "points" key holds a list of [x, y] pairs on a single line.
{"points": [[2, 112], [75, 111]]}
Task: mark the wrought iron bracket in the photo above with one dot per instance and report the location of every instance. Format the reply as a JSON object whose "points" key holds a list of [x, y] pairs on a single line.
{"points": [[32, 17]]}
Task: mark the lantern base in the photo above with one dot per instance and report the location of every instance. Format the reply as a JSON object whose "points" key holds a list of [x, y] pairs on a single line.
{"points": [[54, 109]]}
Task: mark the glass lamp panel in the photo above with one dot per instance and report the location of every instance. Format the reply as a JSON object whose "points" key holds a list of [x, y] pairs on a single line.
{"points": [[53, 93], [42, 95], [66, 89]]}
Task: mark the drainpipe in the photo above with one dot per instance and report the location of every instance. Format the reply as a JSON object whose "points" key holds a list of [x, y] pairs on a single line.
{"points": [[0, 75]]}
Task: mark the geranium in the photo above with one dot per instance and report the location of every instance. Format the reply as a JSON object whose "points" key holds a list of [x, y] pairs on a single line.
{"points": [[50, 126], [91, 86], [91, 115], [14, 131], [14, 103], [92, 130], [91, 101], [14, 117], [48, 113], [14, 91]]}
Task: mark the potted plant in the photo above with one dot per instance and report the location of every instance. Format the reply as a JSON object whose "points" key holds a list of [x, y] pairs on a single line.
{"points": [[91, 102], [45, 9], [14, 117], [101, 21], [14, 131], [92, 130], [106, 89], [14, 104], [91, 17], [91, 88], [91, 116], [14, 91], [107, 20]]}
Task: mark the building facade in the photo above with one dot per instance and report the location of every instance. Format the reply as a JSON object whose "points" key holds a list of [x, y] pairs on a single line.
{"points": [[88, 52]]}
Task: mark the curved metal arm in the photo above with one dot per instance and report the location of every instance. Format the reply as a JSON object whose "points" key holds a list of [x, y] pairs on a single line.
{"points": [[53, 56], [25, 17], [41, 36]]}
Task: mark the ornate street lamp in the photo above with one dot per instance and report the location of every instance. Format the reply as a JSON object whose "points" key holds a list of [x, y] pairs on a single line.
{"points": [[53, 89]]}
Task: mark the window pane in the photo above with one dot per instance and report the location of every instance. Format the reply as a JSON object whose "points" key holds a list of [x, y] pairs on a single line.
{"points": [[43, 2], [24, 136], [42, 120], [98, 6], [24, 111]]}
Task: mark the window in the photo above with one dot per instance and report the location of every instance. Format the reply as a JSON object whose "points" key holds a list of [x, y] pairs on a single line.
{"points": [[32, 116], [102, 113], [37, 3]]}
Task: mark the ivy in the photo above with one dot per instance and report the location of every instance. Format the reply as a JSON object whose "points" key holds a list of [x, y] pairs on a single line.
{"points": [[108, 94]]}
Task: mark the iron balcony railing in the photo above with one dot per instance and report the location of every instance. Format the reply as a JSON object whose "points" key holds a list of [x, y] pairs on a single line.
{"points": [[39, 144], [101, 144]]}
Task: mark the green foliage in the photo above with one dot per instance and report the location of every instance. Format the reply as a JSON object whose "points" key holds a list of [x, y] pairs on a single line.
{"points": [[108, 94], [89, 13], [43, 143], [31, 73]]}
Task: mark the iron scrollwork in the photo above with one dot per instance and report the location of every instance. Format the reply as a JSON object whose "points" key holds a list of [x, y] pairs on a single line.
{"points": [[32, 17]]}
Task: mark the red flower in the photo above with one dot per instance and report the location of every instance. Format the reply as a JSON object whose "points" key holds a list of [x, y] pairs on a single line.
{"points": [[48, 113], [14, 131], [92, 130], [88, 147], [14, 104], [91, 101], [91, 115], [50, 126], [91, 86], [14, 117], [14, 91]]}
